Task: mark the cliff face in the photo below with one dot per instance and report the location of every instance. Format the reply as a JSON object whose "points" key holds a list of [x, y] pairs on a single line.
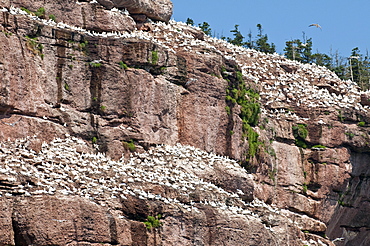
{"points": [[100, 77]]}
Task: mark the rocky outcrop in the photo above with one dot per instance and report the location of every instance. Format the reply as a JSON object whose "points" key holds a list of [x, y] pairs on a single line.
{"points": [[80, 14], [156, 10], [350, 221], [65, 196], [119, 90]]}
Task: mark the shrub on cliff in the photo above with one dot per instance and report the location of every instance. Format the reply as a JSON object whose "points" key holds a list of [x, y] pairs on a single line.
{"points": [[40, 13], [237, 93], [153, 222], [300, 133]]}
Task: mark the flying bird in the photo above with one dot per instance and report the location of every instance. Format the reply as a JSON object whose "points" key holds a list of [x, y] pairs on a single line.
{"points": [[316, 25]]}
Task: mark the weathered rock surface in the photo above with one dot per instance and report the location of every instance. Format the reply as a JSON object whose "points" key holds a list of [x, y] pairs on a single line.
{"points": [[62, 197], [160, 10], [121, 90], [81, 14]]}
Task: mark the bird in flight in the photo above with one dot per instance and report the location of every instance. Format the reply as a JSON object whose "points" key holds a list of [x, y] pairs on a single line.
{"points": [[316, 25]]}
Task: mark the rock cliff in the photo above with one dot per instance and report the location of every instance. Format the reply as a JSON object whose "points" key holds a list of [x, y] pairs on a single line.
{"points": [[120, 127]]}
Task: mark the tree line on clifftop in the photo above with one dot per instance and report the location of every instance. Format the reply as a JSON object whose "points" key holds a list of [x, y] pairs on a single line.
{"points": [[356, 67]]}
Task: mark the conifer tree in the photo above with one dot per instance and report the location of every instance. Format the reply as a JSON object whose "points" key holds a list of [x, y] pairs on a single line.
{"points": [[250, 43], [339, 65], [292, 50], [355, 65], [189, 22], [238, 37], [262, 44], [206, 28], [359, 68], [322, 59], [306, 50]]}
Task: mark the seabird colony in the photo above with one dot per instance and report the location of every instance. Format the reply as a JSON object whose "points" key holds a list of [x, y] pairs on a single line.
{"points": [[59, 169], [265, 70]]}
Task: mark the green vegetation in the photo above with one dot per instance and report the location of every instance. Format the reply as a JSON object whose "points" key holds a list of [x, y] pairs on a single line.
{"points": [[103, 108], [341, 203], [350, 134], [122, 65], [154, 57], [40, 13], [94, 140], [26, 10], [189, 22], [302, 51], [341, 118], [272, 173], [238, 94], [300, 133], [83, 44], [318, 146], [95, 64], [300, 130], [66, 86], [35, 46], [228, 110], [259, 43], [271, 151], [205, 27], [153, 222], [361, 123], [248, 99], [130, 145], [53, 18], [355, 67], [7, 33], [253, 142], [304, 188], [238, 37]]}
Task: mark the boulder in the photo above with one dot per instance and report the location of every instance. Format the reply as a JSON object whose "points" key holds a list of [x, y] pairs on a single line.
{"points": [[160, 10]]}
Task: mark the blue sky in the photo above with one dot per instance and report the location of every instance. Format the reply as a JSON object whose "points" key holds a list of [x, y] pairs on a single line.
{"points": [[345, 24]]}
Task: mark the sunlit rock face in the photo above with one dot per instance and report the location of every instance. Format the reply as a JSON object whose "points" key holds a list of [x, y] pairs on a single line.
{"points": [[350, 221], [159, 10], [64, 194], [111, 120]]}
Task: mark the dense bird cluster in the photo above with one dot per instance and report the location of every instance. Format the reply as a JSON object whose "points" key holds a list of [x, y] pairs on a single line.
{"points": [[60, 169], [280, 80], [306, 85], [298, 87]]}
